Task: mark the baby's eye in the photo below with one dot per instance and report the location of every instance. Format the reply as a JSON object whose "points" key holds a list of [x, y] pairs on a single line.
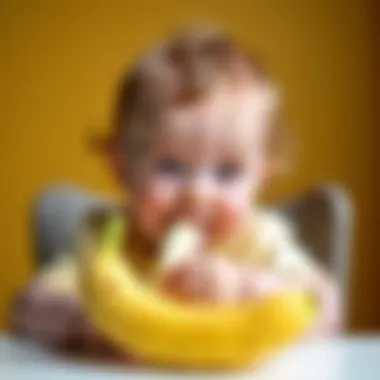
{"points": [[227, 171], [171, 166]]}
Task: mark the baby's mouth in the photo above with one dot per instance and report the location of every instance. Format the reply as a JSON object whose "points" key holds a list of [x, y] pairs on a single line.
{"points": [[199, 220]]}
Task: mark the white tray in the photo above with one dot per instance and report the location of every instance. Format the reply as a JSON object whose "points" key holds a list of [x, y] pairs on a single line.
{"points": [[356, 358]]}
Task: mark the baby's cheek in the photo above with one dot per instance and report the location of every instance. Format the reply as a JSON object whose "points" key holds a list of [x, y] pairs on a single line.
{"points": [[162, 193], [232, 210], [156, 205]]}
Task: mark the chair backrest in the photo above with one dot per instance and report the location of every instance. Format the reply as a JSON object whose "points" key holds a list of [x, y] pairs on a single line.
{"points": [[56, 218], [324, 222], [322, 219]]}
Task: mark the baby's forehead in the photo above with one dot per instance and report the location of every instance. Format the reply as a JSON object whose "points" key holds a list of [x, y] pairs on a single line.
{"points": [[226, 114]]}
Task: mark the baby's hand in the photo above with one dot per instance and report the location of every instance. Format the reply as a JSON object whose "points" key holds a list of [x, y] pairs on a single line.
{"points": [[204, 279], [218, 280], [330, 321], [46, 314], [258, 282]]}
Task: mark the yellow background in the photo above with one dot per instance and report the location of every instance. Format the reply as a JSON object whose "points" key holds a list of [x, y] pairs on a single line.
{"points": [[62, 59]]}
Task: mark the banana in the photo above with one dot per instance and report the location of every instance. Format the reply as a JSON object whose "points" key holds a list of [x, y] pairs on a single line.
{"points": [[162, 332]]}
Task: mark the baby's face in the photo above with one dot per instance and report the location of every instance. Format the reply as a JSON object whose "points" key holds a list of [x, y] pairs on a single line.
{"points": [[206, 163]]}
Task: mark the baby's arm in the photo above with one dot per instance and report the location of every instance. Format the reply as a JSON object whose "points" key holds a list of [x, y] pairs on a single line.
{"points": [[46, 314], [50, 312]]}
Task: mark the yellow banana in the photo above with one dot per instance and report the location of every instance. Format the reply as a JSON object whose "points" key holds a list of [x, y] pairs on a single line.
{"points": [[140, 320]]}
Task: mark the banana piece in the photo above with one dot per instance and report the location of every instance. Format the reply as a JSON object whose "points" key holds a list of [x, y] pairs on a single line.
{"points": [[139, 319], [181, 243]]}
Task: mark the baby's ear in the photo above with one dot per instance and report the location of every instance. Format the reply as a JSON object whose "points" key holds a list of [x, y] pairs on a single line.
{"points": [[110, 149]]}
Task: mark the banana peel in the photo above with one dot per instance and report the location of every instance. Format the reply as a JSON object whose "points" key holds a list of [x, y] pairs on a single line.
{"points": [[140, 320]]}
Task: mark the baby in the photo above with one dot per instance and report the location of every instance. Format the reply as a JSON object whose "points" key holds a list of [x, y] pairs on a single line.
{"points": [[197, 134]]}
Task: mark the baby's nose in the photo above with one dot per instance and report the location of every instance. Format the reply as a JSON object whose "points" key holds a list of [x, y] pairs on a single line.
{"points": [[198, 199]]}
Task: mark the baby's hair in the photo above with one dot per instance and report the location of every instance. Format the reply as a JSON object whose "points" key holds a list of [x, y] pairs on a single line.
{"points": [[182, 70]]}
